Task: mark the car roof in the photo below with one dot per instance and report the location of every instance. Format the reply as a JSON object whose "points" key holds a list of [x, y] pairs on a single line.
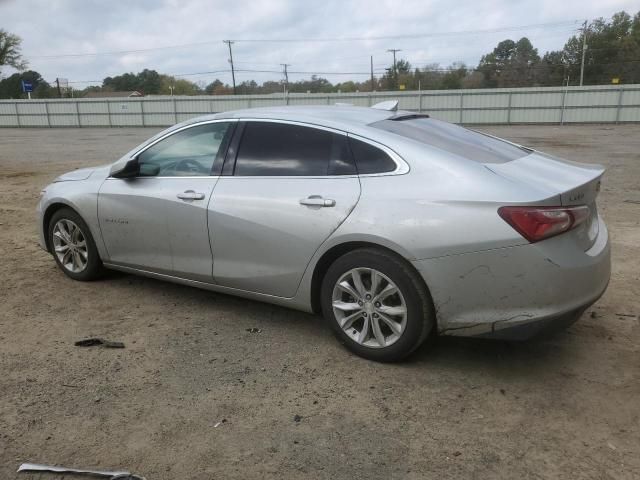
{"points": [[341, 117]]}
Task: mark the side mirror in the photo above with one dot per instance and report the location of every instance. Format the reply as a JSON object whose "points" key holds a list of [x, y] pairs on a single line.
{"points": [[129, 169], [148, 170]]}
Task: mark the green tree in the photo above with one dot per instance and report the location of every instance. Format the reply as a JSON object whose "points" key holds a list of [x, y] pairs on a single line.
{"points": [[613, 51], [121, 83], [218, 88], [453, 78], [10, 51], [511, 64], [147, 82], [11, 86], [400, 75], [179, 86], [315, 84]]}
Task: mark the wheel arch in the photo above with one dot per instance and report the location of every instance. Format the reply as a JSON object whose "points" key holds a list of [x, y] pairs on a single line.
{"points": [[48, 214], [335, 252]]}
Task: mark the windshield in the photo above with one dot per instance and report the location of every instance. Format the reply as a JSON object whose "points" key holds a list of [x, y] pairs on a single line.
{"points": [[454, 139]]}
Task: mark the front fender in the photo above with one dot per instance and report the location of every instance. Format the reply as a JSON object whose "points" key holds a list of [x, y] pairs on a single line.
{"points": [[81, 196]]}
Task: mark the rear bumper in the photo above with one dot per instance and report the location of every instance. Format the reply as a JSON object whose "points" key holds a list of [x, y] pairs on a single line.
{"points": [[536, 328], [517, 292]]}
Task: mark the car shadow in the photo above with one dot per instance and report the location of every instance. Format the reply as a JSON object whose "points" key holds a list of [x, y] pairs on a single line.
{"points": [[444, 352], [508, 360]]}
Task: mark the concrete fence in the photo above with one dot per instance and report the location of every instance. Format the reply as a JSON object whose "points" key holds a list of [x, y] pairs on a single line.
{"points": [[600, 104]]}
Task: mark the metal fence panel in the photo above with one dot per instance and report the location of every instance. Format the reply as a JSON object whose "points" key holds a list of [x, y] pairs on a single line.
{"points": [[434, 101], [446, 116], [630, 97], [70, 120], [8, 121], [524, 99], [61, 107], [604, 103], [627, 115], [590, 115], [586, 99], [195, 105], [182, 117], [158, 106], [484, 116], [92, 107], [158, 119]]}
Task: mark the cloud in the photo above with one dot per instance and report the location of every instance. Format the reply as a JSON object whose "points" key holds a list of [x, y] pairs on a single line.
{"points": [[57, 27]]}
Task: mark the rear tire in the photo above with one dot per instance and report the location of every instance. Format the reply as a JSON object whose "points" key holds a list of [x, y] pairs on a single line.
{"points": [[376, 305], [72, 246]]}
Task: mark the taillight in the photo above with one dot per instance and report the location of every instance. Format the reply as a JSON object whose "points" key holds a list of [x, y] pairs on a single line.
{"points": [[538, 223]]}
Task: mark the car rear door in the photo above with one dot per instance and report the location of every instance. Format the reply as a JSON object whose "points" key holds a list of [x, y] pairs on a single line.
{"points": [[158, 220], [289, 187]]}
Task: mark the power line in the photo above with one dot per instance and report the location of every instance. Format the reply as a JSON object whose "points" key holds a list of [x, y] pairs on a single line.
{"points": [[321, 40], [382, 70], [415, 35]]}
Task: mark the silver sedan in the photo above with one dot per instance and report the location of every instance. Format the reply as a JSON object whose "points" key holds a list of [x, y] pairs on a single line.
{"points": [[394, 225]]}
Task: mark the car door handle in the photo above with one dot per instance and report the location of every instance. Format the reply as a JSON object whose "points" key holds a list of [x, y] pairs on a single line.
{"points": [[318, 201], [190, 195]]}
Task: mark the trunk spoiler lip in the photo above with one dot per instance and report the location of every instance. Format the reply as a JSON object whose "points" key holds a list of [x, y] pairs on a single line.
{"points": [[563, 187]]}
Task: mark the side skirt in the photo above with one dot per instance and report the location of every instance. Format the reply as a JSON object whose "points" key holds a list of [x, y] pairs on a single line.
{"points": [[260, 297]]}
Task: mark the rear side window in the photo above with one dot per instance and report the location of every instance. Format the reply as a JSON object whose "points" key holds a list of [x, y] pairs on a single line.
{"points": [[454, 139], [280, 149], [370, 159]]}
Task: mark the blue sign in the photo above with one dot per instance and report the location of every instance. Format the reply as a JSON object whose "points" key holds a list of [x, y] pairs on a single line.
{"points": [[27, 86]]}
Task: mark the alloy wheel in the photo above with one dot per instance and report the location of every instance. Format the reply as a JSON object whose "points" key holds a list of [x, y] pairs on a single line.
{"points": [[70, 246], [369, 307]]}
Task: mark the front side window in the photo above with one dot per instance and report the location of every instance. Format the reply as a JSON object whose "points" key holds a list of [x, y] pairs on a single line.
{"points": [[190, 152], [280, 149]]}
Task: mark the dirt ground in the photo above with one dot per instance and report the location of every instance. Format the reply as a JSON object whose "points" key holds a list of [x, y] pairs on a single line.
{"points": [[294, 404]]}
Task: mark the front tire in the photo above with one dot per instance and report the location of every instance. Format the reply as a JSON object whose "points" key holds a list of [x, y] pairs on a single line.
{"points": [[73, 247], [376, 305]]}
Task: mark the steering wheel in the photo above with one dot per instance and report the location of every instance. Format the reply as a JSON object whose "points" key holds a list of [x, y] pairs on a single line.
{"points": [[189, 165]]}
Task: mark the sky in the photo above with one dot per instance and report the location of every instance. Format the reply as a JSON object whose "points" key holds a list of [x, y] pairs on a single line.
{"points": [[88, 40]]}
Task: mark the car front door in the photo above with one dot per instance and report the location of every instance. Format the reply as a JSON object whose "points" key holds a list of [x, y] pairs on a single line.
{"points": [[158, 220], [290, 187]]}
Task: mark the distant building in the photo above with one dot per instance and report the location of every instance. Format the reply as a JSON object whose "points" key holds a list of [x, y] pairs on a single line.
{"points": [[134, 93]]}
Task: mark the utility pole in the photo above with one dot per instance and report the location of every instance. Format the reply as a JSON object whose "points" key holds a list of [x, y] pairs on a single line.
{"points": [[372, 73], [59, 91], [584, 50], [286, 75], [395, 70], [233, 73]]}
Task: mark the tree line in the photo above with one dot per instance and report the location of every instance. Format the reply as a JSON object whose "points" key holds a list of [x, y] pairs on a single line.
{"points": [[612, 56]]}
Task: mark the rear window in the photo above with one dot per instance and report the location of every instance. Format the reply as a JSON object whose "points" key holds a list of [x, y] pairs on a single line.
{"points": [[454, 139]]}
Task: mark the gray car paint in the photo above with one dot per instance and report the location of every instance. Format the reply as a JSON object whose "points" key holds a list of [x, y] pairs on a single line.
{"points": [[440, 214], [261, 235]]}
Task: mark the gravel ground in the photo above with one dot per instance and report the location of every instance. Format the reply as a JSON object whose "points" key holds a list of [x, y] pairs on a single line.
{"points": [[195, 395]]}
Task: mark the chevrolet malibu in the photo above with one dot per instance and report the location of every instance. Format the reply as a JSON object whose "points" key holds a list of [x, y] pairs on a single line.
{"points": [[394, 225]]}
